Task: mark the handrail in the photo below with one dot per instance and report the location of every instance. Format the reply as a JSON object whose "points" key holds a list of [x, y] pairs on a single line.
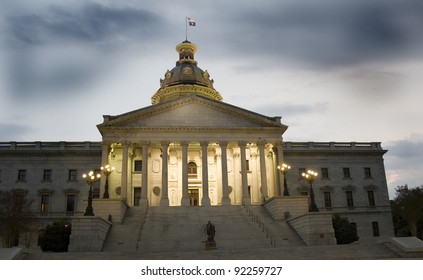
{"points": [[255, 218]]}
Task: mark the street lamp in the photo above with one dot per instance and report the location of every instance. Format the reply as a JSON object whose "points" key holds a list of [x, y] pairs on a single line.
{"points": [[107, 170], [284, 169], [91, 178], [310, 176]]}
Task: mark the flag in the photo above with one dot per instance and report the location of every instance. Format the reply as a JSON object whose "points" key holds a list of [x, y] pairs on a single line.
{"points": [[191, 21]]}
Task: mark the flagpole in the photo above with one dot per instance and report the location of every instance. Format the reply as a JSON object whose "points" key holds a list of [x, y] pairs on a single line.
{"points": [[186, 28]]}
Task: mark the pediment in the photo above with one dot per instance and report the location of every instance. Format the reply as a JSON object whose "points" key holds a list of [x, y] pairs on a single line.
{"points": [[192, 112]]}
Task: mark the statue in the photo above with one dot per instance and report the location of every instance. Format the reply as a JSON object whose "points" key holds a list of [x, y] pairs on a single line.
{"points": [[210, 231]]}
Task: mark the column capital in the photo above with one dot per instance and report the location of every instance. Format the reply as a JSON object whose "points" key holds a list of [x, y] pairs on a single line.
{"points": [[278, 144], [145, 143], [184, 143], [223, 144], [242, 144], [204, 143], [261, 143], [164, 143]]}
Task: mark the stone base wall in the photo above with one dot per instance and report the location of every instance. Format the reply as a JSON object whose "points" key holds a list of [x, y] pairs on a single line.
{"points": [[88, 234], [112, 209], [314, 228], [286, 207]]}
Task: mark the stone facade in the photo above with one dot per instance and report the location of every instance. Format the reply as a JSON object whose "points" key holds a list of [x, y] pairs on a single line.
{"points": [[191, 149]]}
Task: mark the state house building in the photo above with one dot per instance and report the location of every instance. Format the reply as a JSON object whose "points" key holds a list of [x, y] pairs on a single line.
{"points": [[191, 149]]}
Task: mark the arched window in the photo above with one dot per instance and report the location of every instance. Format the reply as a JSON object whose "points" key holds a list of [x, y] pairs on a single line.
{"points": [[192, 170]]}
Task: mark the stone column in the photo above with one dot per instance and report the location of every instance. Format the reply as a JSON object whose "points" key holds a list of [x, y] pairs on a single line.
{"points": [[104, 162], [263, 173], [279, 160], [165, 180], [124, 178], [144, 171], [245, 197], [226, 200], [185, 197], [205, 201]]}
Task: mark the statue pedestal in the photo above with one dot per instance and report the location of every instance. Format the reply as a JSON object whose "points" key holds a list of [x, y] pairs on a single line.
{"points": [[210, 245]]}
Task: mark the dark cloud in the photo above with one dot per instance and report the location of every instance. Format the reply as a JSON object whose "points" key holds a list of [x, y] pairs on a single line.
{"points": [[327, 33], [90, 23], [37, 63], [291, 109]]}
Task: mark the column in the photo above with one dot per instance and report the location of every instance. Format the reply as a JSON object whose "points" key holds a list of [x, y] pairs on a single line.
{"points": [[205, 201], [144, 183], [263, 173], [245, 197], [165, 181], [185, 196], [279, 160], [226, 200], [124, 178], [104, 162]]}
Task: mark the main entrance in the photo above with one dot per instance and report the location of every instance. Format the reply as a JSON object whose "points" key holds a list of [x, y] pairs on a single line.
{"points": [[193, 197]]}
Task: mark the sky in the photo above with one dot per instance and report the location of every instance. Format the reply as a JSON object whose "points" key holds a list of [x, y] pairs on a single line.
{"points": [[335, 70]]}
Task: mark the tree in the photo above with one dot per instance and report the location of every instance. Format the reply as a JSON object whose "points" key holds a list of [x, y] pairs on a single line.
{"points": [[15, 216], [345, 232], [408, 205]]}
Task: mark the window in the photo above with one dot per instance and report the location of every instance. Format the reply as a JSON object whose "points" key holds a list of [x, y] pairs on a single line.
{"points": [[325, 173], [45, 198], [137, 165], [72, 175], [192, 170], [371, 197], [248, 165], [367, 172], [304, 193], [328, 200], [47, 175], [347, 174], [375, 227], [350, 201], [70, 204], [22, 175], [0, 175]]}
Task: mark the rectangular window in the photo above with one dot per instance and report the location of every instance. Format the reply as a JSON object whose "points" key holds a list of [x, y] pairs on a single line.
{"points": [[248, 165], [375, 227], [22, 175], [367, 172], [47, 175], [328, 200], [350, 201], [0, 175], [72, 175], [325, 173], [371, 197], [70, 204], [45, 198], [137, 165], [347, 174]]}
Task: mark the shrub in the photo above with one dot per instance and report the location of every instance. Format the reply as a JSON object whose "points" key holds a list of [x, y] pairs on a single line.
{"points": [[56, 237], [345, 233]]}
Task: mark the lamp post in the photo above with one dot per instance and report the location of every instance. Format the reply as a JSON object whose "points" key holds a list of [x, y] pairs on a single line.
{"points": [[284, 169], [310, 176], [91, 178], [107, 170]]}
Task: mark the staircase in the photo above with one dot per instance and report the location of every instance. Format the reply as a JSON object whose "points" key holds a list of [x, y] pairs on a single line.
{"points": [[124, 237], [181, 229]]}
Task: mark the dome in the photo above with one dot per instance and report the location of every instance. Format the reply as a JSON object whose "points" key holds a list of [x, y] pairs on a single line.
{"points": [[185, 78]]}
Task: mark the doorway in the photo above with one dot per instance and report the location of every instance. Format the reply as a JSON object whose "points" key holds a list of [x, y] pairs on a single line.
{"points": [[193, 197], [137, 196]]}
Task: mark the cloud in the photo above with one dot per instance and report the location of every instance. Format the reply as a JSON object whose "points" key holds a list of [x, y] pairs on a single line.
{"points": [[61, 48], [13, 131], [327, 33]]}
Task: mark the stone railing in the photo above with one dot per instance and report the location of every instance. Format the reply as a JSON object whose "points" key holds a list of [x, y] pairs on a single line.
{"points": [[364, 146], [255, 218], [50, 146]]}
